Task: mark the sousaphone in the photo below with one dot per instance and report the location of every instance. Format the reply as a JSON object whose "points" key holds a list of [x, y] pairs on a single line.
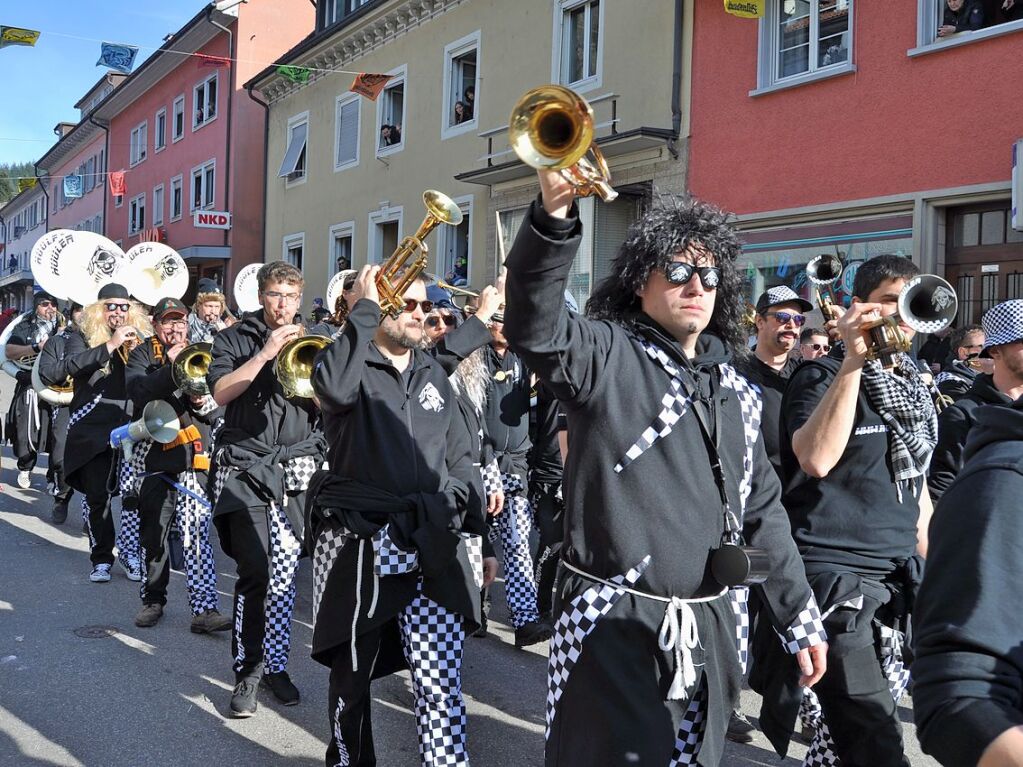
{"points": [[153, 271], [246, 288]]}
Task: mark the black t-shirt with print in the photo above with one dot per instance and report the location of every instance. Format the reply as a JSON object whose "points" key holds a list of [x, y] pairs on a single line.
{"points": [[853, 517]]}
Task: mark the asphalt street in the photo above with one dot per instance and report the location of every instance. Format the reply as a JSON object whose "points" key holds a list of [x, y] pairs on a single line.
{"points": [[81, 685]]}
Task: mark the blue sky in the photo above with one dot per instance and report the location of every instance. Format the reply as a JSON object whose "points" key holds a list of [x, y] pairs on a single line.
{"points": [[39, 86]]}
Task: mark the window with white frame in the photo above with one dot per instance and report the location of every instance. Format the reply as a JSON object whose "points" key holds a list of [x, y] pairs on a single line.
{"points": [[137, 214], [293, 249], [342, 249], [118, 201], [579, 27], [461, 65], [160, 130], [348, 112], [204, 101], [158, 205], [203, 186], [293, 166], [384, 233], [137, 148], [801, 38], [178, 119], [391, 124], [176, 202], [455, 246]]}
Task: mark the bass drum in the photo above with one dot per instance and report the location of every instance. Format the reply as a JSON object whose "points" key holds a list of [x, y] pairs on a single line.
{"points": [[10, 367], [55, 395]]}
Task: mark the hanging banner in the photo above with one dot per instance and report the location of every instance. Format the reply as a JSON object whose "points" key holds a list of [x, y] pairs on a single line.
{"points": [[213, 61], [746, 9], [73, 187], [370, 85], [295, 74], [17, 36], [117, 56], [26, 183], [117, 186]]}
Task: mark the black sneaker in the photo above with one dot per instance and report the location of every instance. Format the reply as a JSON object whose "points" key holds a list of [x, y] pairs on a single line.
{"points": [[59, 513], [281, 686], [531, 633], [739, 728], [243, 700], [481, 632]]}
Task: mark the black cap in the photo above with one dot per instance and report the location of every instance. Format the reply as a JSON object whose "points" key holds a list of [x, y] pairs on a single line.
{"points": [[206, 285], [781, 294], [166, 306], [41, 296], [113, 290]]}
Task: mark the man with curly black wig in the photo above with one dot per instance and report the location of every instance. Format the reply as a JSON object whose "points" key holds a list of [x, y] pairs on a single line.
{"points": [[666, 477]]}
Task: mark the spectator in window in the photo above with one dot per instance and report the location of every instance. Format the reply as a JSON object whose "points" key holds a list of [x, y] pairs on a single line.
{"points": [[343, 264], [1012, 10], [198, 115], [961, 16], [389, 135], [470, 101], [460, 112]]}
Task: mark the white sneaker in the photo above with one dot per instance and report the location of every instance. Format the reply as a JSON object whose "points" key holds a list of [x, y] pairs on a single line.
{"points": [[132, 568], [24, 480], [100, 574]]}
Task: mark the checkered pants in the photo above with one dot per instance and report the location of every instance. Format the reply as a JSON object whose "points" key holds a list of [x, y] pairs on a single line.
{"points": [[739, 600], [129, 473], [690, 730], [513, 525], [193, 521]]}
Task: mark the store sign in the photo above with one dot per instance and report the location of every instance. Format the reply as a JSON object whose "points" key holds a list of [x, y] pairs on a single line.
{"points": [[212, 219], [1017, 186], [989, 269]]}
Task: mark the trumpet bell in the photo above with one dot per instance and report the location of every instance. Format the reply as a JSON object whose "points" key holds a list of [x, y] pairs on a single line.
{"points": [[824, 269], [551, 127], [294, 364], [190, 368], [441, 207], [928, 304]]}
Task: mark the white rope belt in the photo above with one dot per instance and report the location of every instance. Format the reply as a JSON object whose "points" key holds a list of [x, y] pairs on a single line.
{"points": [[678, 635]]}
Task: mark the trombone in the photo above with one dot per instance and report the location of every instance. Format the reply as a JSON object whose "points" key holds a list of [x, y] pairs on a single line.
{"points": [[551, 128], [456, 290]]}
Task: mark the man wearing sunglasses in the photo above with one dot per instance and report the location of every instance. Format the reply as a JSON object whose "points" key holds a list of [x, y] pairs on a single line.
{"points": [[666, 472], [266, 451], [396, 525], [814, 343]]}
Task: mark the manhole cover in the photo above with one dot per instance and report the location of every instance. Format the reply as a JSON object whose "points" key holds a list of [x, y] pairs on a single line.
{"points": [[95, 632]]}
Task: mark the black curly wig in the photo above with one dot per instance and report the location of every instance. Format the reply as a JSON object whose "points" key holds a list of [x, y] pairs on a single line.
{"points": [[668, 228]]}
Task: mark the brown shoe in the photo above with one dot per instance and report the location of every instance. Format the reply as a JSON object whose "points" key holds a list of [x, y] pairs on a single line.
{"points": [[209, 621], [148, 616]]}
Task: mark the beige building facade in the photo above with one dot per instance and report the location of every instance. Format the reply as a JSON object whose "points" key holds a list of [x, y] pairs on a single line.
{"points": [[342, 188]]}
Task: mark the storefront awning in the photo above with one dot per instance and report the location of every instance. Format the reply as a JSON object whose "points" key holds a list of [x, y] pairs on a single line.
{"points": [[206, 252]]}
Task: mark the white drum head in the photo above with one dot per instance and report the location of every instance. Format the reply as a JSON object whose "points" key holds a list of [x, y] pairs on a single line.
{"points": [[246, 288], [335, 287], [154, 271]]}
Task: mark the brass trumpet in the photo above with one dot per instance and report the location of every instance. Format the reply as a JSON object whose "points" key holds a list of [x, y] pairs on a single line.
{"points": [[926, 303], [749, 316], [294, 364], [457, 290], [397, 273], [190, 367], [551, 128], [823, 272]]}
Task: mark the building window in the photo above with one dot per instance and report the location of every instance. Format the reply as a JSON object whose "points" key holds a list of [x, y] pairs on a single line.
{"points": [[294, 164], [342, 249], [336, 10], [461, 63], [178, 119], [137, 150], [101, 168], [118, 201], [804, 39], [158, 205], [940, 24], [204, 102], [137, 214], [293, 249], [90, 174], [455, 246], [391, 124], [203, 186], [348, 113], [160, 130], [175, 198], [384, 233], [579, 26]]}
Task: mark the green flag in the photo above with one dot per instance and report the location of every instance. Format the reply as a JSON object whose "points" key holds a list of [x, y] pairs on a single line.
{"points": [[295, 74]]}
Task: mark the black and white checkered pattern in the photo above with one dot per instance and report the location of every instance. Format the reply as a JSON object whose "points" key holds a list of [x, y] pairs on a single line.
{"points": [[1003, 324], [491, 478], [222, 473], [193, 520], [280, 595], [807, 630], [432, 639], [738, 598], [328, 546], [575, 623], [511, 483], [298, 471], [690, 731], [513, 526], [946, 376], [388, 558], [474, 551], [129, 542], [750, 408], [781, 294], [810, 710], [83, 411]]}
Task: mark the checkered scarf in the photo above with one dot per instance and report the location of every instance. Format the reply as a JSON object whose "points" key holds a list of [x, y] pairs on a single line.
{"points": [[905, 406]]}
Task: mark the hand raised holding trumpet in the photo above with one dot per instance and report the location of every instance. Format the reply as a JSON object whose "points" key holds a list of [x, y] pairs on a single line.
{"points": [[125, 338]]}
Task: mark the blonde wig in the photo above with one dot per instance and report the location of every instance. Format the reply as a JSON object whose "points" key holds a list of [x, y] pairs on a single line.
{"points": [[94, 324]]}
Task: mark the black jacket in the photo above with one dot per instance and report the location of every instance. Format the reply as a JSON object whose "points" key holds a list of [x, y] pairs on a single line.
{"points": [[100, 389], [955, 379], [458, 343], [954, 424], [403, 434], [968, 18], [663, 505], [968, 673], [506, 413]]}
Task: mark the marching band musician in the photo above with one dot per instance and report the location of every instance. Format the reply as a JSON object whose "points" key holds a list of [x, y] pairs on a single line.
{"points": [[205, 320], [174, 484], [666, 483], [269, 447], [30, 425], [404, 526], [95, 356]]}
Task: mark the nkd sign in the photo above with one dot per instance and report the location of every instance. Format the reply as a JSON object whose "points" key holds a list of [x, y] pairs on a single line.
{"points": [[212, 219]]}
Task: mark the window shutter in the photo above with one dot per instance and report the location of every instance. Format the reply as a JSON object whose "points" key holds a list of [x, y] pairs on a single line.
{"points": [[294, 151], [348, 132]]}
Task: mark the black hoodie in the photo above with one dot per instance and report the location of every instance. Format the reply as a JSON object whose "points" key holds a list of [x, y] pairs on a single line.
{"points": [[968, 673], [954, 425]]}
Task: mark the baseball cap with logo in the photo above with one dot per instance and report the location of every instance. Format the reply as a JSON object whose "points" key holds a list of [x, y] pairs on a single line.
{"points": [[167, 307], [781, 294], [1003, 324]]}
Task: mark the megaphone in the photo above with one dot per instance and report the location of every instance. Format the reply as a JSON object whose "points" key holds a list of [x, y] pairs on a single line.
{"points": [[159, 423]]}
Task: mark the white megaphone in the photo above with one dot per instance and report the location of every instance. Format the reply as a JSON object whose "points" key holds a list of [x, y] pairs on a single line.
{"points": [[159, 423]]}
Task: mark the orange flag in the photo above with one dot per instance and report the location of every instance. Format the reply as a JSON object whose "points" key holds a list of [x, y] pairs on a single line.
{"points": [[370, 85], [117, 186]]}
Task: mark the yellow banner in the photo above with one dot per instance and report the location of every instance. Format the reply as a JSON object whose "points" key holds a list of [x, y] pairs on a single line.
{"points": [[26, 183], [17, 36], [746, 9]]}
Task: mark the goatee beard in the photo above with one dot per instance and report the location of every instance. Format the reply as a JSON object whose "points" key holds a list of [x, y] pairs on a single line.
{"points": [[404, 340]]}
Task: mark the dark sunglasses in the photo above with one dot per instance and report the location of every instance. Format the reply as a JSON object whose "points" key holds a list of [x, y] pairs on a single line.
{"points": [[112, 307], [784, 318], [680, 272], [447, 319], [411, 304], [46, 303], [820, 347]]}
